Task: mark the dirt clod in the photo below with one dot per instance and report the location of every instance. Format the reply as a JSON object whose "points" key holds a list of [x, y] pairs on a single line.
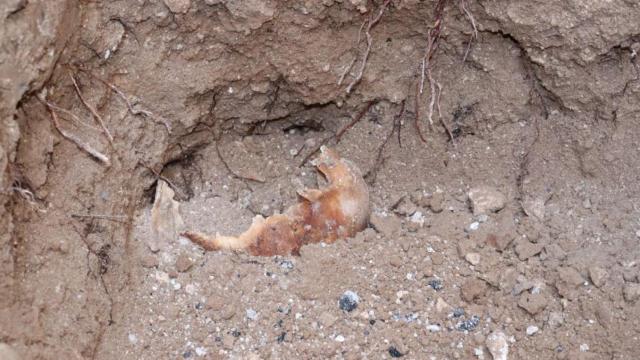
{"points": [[184, 263], [533, 303]]}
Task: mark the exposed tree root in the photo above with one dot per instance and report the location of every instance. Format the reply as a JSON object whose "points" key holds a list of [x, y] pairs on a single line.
{"points": [[370, 23]]}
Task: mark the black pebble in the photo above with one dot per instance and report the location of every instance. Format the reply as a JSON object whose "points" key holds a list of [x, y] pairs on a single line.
{"points": [[436, 284], [187, 354], [394, 352], [199, 306], [348, 302], [281, 337], [469, 324], [372, 322]]}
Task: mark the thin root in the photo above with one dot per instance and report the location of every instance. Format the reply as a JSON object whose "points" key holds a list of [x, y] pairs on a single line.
{"points": [[131, 107], [370, 24], [74, 139], [231, 171], [93, 111], [118, 218], [474, 36], [355, 120], [442, 120]]}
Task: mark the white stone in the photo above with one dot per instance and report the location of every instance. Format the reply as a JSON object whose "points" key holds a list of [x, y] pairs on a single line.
{"points": [[485, 200], [532, 329], [252, 314], [497, 345]]}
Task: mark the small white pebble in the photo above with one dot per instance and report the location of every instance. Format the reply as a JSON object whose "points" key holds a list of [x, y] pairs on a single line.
{"points": [[474, 226], [133, 338], [340, 338], [252, 314], [433, 328], [200, 351], [532, 329], [584, 347], [417, 218]]}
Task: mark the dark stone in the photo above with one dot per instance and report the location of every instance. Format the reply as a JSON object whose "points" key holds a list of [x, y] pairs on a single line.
{"points": [[394, 352]]}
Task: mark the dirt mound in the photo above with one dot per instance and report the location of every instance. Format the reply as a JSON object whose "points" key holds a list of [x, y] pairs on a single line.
{"points": [[535, 115]]}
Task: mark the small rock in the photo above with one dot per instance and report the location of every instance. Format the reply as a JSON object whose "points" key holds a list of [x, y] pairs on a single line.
{"points": [[469, 324], [396, 261], [405, 207], [417, 220], [569, 280], [436, 284], [555, 319], [149, 261], [473, 290], [437, 258], [531, 329], [395, 353], [183, 263], [201, 351], [419, 198], [631, 292], [603, 314], [598, 275], [485, 200], [286, 264], [473, 226], [387, 225], [533, 303], [497, 345], [178, 6], [251, 314], [340, 338], [472, 258], [349, 301], [436, 203], [433, 328], [525, 249]]}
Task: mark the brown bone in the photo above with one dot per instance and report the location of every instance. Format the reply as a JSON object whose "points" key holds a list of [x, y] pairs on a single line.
{"points": [[337, 211]]}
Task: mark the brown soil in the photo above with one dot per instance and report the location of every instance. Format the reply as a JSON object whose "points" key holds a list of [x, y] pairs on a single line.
{"points": [[544, 113]]}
